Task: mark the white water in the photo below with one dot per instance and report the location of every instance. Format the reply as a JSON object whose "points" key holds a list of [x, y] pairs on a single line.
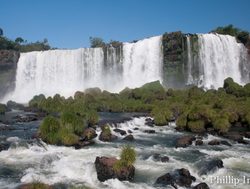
{"points": [[54, 164], [66, 71], [220, 57], [190, 61]]}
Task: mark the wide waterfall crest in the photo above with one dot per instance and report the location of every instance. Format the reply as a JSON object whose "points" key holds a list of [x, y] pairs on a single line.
{"points": [[67, 71]]}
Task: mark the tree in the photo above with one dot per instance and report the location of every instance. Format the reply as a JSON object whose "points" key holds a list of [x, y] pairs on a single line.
{"points": [[96, 42], [19, 40], [1, 32]]}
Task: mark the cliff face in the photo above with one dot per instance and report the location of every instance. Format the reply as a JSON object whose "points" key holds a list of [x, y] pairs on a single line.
{"points": [[8, 65]]}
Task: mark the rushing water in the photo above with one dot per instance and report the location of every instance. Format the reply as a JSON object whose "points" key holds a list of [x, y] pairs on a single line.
{"points": [[29, 160]]}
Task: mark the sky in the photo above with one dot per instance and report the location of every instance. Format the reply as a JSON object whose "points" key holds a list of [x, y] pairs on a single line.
{"points": [[70, 23]]}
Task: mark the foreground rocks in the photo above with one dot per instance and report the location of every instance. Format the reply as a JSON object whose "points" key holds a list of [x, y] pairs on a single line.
{"points": [[184, 141], [202, 185], [179, 177], [35, 186], [89, 134], [105, 170], [209, 166]]}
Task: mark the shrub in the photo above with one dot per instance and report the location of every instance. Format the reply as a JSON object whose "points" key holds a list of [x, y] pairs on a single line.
{"points": [[36, 185], [221, 124], [49, 129], [3, 109], [161, 115], [36, 100], [67, 138], [127, 158], [233, 88], [197, 126], [181, 121]]}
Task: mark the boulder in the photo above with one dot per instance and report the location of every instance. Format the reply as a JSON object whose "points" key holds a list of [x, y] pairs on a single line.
{"points": [[129, 131], [158, 157], [224, 142], [83, 144], [122, 132], [235, 136], [247, 134], [129, 138], [106, 135], [184, 141], [136, 128], [35, 185], [105, 170], [149, 122], [198, 142], [149, 131], [89, 134], [209, 166], [214, 142], [179, 177], [202, 185]]}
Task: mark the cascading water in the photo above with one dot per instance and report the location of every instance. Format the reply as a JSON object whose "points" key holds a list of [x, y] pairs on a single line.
{"points": [[66, 71], [220, 56], [190, 61]]}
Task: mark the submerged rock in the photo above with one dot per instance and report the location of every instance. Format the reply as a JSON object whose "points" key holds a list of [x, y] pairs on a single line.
{"points": [[122, 132], [163, 159], [105, 170], [129, 138], [184, 141], [198, 142], [180, 177], [149, 131], [83, 144], [149, 122], [214, 142], [209, 166], [202, 185]]}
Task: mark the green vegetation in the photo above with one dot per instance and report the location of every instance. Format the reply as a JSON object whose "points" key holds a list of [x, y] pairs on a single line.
{"points": [[193, 109], [241, 35], [127, 158], [36, 185], [3, 109]]}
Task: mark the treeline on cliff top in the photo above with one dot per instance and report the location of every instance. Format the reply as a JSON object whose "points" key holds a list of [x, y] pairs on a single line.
{"points": [[193, 109], [19, 44]]}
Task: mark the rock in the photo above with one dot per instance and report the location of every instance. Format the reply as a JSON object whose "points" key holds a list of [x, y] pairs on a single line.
{"points": [[35, 185], [13, 105], [202, 185], [247, 134], [104, 168], [235, 136], [158, 157], [198, 142], [83, 144], [129, 138], [129, 131], [214, 142], [209, 166], [122, 132], [106, 135], [224, 142], [180, 177], [4, 127], [24, 118], [149, 131], [136, 128], [89, 134], [184, 141], [149, 122]]}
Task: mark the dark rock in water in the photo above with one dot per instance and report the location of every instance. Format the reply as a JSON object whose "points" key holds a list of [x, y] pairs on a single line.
{"points": [[89, 134], [184, 141], [83, 144], [122, 132], [129, 131], [26, 118], [4, 146], [209, 166], [149, 131], [129, 138], [202, 185], [163, 159], [247, 134], [179, 177], [198, 142], [105, 170], [149, 122], [34, 186], [224, 142], [4, 127], [214, 142], [14, 105], [235, 136], [136, 128], [106, 135]]}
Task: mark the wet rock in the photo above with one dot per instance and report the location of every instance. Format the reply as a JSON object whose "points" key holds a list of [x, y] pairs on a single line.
{"points": [[24, 118], [106, 135], [158, 157], [224, 142], [235, 136], [83, 144], [129, 131], [184, 141], [209, 166], [89, 134], [214, 142], [122, 132], [202, 185], [179, 177], [105, 170], [198, 142], [149, 122], [136, 128], [13, 105], [247, 134], [149, 131], [129, 138], [4, 127]]}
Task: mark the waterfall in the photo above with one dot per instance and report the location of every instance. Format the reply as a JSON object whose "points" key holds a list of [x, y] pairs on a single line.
{"points": [[67, 71], [189, 62], [220, 56]]}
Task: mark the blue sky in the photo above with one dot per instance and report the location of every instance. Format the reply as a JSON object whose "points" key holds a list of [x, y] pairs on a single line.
{"points": [[70, 23]]}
